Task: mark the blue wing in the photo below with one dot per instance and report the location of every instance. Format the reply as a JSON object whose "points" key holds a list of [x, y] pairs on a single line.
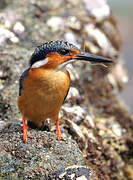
{"points": [[24, 74], [68, 88]]}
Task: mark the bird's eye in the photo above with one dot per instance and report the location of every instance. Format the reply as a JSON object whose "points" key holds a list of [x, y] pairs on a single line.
{"points": [[64, 51]]}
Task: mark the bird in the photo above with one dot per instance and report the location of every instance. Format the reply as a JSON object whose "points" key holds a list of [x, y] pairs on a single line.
{"points": [[44, 85]]}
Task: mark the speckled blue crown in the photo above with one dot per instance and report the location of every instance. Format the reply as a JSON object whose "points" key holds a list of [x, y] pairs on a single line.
{"points": [[52, 46]]}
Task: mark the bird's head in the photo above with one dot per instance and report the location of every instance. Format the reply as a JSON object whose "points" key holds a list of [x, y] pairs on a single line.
{"points": [[56, 54]]}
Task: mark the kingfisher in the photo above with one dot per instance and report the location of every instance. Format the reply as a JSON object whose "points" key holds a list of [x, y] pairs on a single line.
{"points": [[44, 85]]}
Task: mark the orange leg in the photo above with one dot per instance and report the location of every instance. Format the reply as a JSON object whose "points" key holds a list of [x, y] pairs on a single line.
{"points": [[58, 130], [25, 130]]}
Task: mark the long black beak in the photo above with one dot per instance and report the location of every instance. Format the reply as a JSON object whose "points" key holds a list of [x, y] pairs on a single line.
{"points": [[92, 58]]}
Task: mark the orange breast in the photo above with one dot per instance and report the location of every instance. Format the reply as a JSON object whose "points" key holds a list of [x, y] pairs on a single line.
{"points": [[43, 94]]}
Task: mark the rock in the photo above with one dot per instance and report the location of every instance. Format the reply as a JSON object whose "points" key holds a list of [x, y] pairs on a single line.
{"points": [[18, 28], [3, 125], [41, 156], [77, 173]]}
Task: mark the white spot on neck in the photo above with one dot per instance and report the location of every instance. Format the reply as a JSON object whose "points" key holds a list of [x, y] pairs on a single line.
{"points": [[39, 63]]}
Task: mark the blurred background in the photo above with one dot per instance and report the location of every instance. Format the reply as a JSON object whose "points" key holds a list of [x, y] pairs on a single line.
{"points": [[123, 11]]}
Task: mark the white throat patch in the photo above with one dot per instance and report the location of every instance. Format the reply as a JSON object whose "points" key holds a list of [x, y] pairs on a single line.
{"points": [[61, 66], [39, 63]]}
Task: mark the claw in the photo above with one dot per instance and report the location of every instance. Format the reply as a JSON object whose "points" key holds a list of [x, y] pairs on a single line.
{"points": [[25, 130]]}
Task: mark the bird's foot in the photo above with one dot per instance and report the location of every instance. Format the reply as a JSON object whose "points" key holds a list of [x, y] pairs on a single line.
{"points": [[58, 130], [58, 134], [25, 130]]}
